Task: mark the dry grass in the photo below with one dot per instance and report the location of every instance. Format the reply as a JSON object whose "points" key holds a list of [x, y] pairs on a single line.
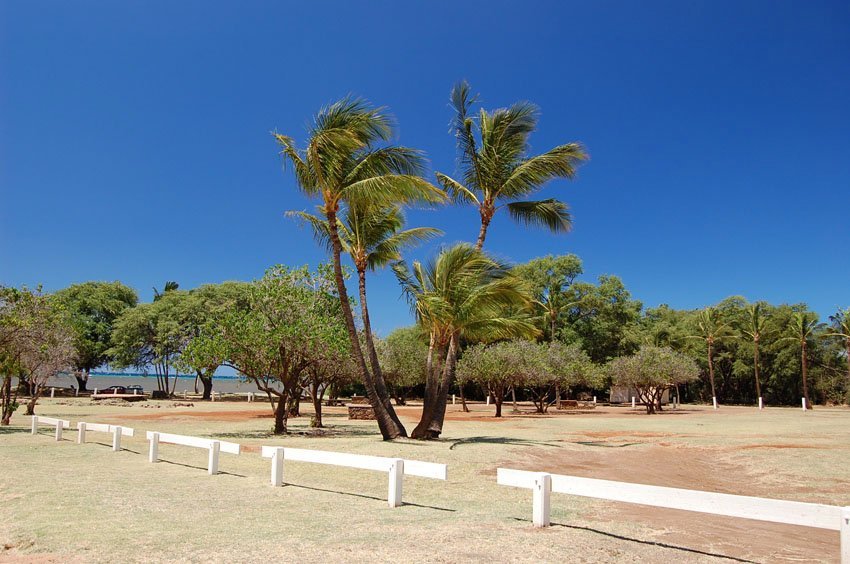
{"points": [[83, 502]]}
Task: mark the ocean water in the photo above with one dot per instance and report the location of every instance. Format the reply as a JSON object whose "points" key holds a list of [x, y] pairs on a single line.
{"points": [[99, 380]]}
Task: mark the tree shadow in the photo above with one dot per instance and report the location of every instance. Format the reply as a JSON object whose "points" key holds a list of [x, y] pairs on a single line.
{"points": [[200, 468], [646, 542], [498, 441], [364, 496], [241, 435], [8, 430], [604, 445]]}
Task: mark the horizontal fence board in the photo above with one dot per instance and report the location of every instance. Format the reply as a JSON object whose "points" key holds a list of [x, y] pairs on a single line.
{"points": [[53, 421], [745, 507], [197, 442], [104, 428], [364, 462]]}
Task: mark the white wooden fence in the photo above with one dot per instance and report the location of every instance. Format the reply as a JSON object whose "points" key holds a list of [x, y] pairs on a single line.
{"points": [[58, 423], [116, 430], [396, 468], [214, 447], [774, 510]]}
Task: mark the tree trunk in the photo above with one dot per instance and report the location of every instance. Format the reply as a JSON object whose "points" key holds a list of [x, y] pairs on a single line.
{"points": [[207, 382], [756, 365], [499, 398], [317, 408], [805, 377], [8, 400], [82, 378], [711, 369], [294, 407], [377, 374], [435, 428], [513, 398], [486, 210], [281, 413], [388, 423], [432, 383]]}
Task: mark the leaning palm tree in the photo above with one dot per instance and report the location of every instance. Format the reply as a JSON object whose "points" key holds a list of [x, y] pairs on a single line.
{"points": [[497, 169], [711, 329], [373, 237], [801, 330], [462, 294], [841, 329], [345, 161], [755, 327]]}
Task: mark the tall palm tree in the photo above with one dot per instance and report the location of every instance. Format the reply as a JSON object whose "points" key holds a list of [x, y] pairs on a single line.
{"points": [[462, 294], [712, 328], [373, 237], [497, 169], [841, 328], [170, 286], [755, 327], [801, 330], [345, 161]]}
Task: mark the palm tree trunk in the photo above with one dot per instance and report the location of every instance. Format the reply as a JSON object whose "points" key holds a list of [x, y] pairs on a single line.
{"points": [[756, 365], [377, 375], [388, 426], [711, 371], [805, 377], [486, 210], [432, 378], [435, 426]]}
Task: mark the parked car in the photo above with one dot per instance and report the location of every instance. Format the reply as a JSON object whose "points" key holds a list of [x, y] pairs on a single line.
{"points": [[135, 389], [113, 390]]}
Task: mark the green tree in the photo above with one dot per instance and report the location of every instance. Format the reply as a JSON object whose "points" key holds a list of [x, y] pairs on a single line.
{"points": [[169, 286], [498, 367], [93, 308], [344, 163], [801, 330], [402, 354], [549, 278], [152, 335], [755, 327], [497, 169], [462, 294], [651, 371], [840, 323], [711, 328]]}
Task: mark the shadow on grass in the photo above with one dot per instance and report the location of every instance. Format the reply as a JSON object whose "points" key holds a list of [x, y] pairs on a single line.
{"points": [[200, 468], [241, 435], [10, 430], [646, 542], [499, 441], [364, 496], [110, 446]]}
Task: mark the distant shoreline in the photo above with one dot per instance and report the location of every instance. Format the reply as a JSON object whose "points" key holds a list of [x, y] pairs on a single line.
{"points": [[151, 375]]}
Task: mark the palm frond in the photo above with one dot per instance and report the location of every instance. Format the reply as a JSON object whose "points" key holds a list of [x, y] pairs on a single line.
{"points": [[532, 173], [389, 249], [551, 214], [456, 191]]}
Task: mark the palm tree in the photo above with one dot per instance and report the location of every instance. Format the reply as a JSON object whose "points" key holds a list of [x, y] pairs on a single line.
{"points": [[373, 237], [712, 328], [462, 294], [841, 328], [755, 326], [344, 163], [170, 286], [496, 167], [801, 329]]}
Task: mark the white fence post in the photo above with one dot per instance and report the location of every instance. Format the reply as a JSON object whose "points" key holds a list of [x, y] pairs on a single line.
{"points": [[52, 392], [541, 495], [185, 394], [116, 439], [453, 399], [761, 403], [594, 400], [59, 431], [845, 535], [212, 467], [395, 482], [277, 467], [804, 404], [488, 399], [95, 392], [633, 402], [81, 432], [35, 424], [714, 401], [153, 454]]}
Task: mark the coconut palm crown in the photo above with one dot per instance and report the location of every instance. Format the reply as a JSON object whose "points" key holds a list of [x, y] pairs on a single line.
{"points": [[497, 170]]}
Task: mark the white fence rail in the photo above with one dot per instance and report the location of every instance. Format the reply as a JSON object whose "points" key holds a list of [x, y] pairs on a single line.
{"points": [[396, 468], [58, 423], [774, 510], [116, 430], [214, 447]]}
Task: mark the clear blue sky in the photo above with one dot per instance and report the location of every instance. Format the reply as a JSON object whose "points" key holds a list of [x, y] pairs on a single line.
{"points": [[134, 136]]}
